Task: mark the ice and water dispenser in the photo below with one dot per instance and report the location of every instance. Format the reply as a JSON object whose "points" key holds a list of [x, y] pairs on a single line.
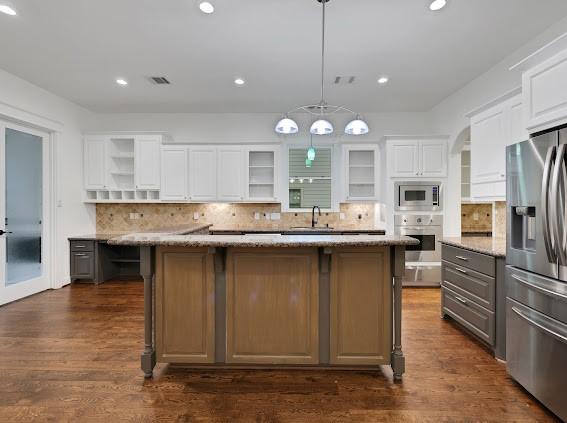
{"points": [[523, 228]]}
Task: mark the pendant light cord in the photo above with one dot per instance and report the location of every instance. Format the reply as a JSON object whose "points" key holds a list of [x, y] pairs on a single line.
{"points": [[323, 2]]}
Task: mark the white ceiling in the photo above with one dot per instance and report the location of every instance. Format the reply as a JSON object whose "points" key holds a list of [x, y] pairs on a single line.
{"points": [[77, 48]]}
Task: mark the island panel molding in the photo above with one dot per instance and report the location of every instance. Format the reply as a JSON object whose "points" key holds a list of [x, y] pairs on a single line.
{"points": [[185, 310], [361, 303], [272, 306]]}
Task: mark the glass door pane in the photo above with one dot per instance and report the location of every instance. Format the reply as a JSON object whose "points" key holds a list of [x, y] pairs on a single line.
{"points": [[24, 208]]}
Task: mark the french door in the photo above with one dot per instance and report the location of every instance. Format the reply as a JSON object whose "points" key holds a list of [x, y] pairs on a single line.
{"points": [[24, 212]]}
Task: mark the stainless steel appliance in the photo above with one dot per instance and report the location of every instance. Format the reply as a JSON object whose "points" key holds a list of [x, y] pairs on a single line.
{"points": [[418, 196], [423, 261], [536, 272]]}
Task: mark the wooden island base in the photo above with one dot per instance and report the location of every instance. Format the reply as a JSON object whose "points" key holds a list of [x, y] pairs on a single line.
{"points": [[272, 307]]}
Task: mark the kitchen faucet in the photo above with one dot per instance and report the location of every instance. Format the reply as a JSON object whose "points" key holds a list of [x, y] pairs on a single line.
{"points": [[313, 221]]}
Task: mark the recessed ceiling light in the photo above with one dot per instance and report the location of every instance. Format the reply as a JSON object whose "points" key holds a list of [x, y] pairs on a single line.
{"points": [[7, 9], [121, 81], [239, 81], [437, 4], [383, 79], [206, 7]]}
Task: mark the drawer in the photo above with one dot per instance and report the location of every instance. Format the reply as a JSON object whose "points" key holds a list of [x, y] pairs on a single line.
{"points": [[82, 265], [476, 286], [82, 245], [475, 261], [473, 317]]}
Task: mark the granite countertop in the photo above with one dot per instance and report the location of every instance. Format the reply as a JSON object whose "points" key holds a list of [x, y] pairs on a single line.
{"points": [[291, 230], [169, 230], [262, 240], [495, 247]]}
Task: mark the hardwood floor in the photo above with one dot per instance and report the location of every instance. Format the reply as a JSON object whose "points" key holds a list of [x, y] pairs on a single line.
{"points": [[73, 355]]}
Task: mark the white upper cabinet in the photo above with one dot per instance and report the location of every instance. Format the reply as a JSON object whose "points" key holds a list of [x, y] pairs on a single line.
{"points": [[488, 146], [202, 173], [230, 176], [545, 93], [261, 166], [518, 129], [403, 156], [361, 172], [413, 158], [433, 156], [147, 163], [174, 173], [95, 156], [492, 130]]}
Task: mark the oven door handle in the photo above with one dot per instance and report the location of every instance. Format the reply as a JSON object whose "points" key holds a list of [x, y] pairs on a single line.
{"points": [[547, 331]]}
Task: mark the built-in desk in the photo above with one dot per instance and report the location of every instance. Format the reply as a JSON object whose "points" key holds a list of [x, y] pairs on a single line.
{"points": [[94, 260]]}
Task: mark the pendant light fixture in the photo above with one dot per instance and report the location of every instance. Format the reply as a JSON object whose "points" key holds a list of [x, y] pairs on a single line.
{"points": [[311, 151], [322, 110]]}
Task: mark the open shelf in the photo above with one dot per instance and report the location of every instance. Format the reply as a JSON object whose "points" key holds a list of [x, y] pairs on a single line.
{"points": [[121, 166], [261, 175], [361, 174]]}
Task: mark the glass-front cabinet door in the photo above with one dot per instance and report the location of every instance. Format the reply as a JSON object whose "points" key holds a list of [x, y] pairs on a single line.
{"points": [[24, 158]]}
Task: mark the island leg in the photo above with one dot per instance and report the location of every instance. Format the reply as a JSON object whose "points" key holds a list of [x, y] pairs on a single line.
{"points": [[398, 361], [148, 359]]}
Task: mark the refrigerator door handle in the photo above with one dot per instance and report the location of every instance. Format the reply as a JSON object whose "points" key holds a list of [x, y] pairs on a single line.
{"points": [[557, 204], [549, 242]]}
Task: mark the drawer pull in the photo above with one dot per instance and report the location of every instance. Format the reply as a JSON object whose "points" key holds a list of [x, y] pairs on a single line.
{"points": [[461, 300], [80, 246], [80, 254], [540, 326], [461, 270], [539, 288], [462, 258]]}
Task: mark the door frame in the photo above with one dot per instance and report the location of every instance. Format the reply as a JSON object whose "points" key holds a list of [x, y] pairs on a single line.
{"points": [[25, 289]]}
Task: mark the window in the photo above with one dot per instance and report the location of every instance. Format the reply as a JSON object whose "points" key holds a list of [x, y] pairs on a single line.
{"points": [[310, 186]]}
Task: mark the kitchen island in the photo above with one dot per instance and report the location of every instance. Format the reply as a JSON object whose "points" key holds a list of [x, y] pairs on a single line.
{"points": [[271, 300]]}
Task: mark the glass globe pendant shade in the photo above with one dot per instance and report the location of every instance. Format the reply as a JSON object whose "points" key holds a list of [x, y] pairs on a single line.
{"points": [[321, 127], [287, 126], [308, 163], [356, 127], [311, 154]]}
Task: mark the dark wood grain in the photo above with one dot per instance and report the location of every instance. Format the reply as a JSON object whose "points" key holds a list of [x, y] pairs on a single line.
{"points": [[73, 355]]}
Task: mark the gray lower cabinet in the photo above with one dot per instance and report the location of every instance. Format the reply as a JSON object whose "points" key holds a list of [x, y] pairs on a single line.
{"points": [[473, 295], [83, 260], [82, 265], [93, 260]]}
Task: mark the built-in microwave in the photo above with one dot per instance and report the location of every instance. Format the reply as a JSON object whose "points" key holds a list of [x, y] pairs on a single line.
{"points": [[418, 196]]}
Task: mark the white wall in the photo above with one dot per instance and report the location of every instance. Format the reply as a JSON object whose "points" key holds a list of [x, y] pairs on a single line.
{"points": [[24, 102], [254, 127], [449, 116]]}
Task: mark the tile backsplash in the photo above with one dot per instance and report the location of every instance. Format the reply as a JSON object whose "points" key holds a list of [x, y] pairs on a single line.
{"points": [[499, 219], [484, 217], [476, 218], [119, 218]]}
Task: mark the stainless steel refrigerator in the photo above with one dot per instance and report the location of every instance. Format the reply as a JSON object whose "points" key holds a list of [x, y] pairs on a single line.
{"points": [[536, 271]]}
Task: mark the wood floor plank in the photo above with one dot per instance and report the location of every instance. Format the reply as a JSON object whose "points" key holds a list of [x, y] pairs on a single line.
{"points": [[73, 355]]}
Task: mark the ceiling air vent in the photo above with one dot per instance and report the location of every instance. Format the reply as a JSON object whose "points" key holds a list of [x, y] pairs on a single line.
{"points": [[344, 80], [159, 80]]}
